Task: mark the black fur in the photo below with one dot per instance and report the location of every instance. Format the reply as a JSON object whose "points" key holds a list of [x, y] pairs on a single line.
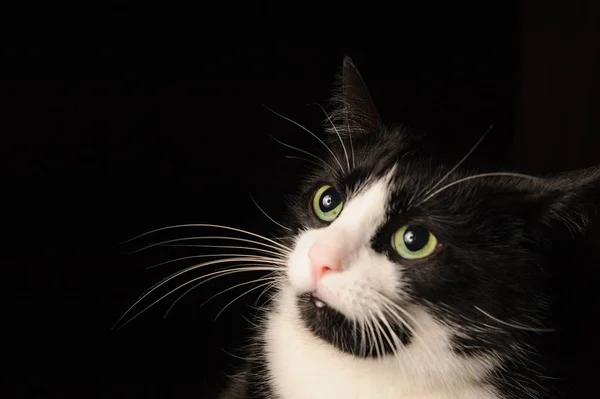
{"points": [[505, 239]]}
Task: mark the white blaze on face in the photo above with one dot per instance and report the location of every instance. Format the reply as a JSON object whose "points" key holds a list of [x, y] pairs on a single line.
{"points": [[348, 239]]}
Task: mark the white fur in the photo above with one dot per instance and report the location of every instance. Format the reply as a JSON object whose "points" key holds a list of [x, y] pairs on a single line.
{"points": [[303, 366], [364, 269]]}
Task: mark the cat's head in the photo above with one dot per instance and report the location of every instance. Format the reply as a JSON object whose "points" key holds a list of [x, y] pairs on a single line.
{"points": [[393, 243]]}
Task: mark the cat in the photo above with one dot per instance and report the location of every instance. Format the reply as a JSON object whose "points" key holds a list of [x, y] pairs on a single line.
{"points": [[409, 274], [412, 277]]}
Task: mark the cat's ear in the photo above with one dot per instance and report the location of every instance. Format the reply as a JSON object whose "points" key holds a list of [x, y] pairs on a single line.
{"points": [[354, 111], [570, 199]]}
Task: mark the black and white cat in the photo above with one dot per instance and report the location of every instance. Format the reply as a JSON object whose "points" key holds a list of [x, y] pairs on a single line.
{"points": [[411, 277], [408, 274]]}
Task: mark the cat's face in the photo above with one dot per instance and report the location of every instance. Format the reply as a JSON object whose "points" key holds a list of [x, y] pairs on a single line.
{"points": [[386, 241]]}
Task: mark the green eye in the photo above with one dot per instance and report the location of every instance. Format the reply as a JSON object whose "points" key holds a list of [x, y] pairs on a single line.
{"points": [[327, 203], [414, 242]]}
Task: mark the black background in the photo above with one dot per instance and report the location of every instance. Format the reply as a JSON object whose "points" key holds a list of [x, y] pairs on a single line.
{"points": [[108, 137]]}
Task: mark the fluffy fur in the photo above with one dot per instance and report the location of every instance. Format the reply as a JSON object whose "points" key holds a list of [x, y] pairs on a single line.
{"points": [[463, 323]]}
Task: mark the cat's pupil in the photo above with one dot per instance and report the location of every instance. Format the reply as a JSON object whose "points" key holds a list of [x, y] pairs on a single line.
{"points": [[329, 200], [416, 238]]}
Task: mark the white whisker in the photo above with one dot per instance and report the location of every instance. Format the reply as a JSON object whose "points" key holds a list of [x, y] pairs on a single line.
{"points": [[338, 134], [238, 297], [269, 300], [515, 325], [217, 226], [366, 343], [164, 243], [263, 292], [277, 257], [258, 258], [188, 269], [378, 322], [307, 153], [352, 149], [263, 260], [354, 332], [361, 333], [245, 269], [311, 133], [269, 217], [476, 177], [225, 272], [349, 130], [266, 279], [303, 159], [379, 332], [399, 346], [374, 338], [391, 306], [459, 162]]}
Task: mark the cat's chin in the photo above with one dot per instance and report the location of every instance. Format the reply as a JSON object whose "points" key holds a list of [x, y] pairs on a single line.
{"points": [[338, 330]]}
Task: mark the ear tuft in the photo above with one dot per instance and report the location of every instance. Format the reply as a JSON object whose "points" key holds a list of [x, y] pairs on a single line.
{"points": [[354, 111]]}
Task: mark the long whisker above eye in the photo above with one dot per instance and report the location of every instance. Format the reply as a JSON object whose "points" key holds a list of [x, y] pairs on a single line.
{"points": [[306, 153], [311, 133], [303, 159], [338, 134], [164, 243], [216, 226], [220, 272], [493, 174], [483, 136]]}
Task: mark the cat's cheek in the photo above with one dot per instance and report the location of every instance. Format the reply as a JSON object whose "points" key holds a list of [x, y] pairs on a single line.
{"points": [[298, 270]]}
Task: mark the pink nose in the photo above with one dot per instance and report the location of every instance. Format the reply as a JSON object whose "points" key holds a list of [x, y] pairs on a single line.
{"points": [[323, 259]]}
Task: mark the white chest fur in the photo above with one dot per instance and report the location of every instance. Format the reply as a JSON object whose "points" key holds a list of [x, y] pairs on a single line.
{"points": [[301, 366]]}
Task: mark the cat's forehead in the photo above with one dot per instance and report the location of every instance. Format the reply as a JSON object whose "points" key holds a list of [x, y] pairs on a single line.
{"points": [[403, 166]]}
